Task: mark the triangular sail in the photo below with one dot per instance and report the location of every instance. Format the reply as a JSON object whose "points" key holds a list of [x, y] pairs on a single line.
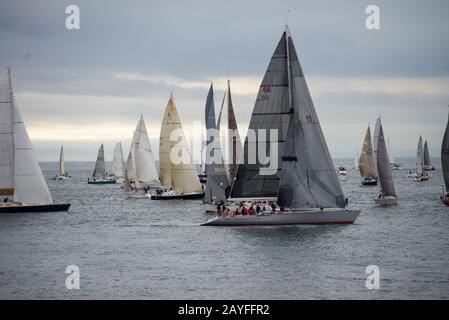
{"points": [[426, 156], [182, 177], [419, 158], [271, 111], [61, 162], [117, 164], [445, 157], [100, 167], [6, 137], [390, 153], [366, 160], [375, 139], [234, 142], [383, 167], [307, 176]]}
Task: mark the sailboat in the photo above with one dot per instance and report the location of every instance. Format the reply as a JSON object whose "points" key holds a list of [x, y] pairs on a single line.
{"points": [[427, 165], [22, 184], [63, 175], [445, 165], [387, 193], [141, 162], [217, 181], [179, 178], [303, 187], [117, 162], [366, 161], [99, 176], [393, 165], [421, 175]]}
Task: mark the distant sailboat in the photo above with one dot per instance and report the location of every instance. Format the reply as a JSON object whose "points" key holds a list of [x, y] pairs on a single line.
{"points": [[393, 164], [303, 188], [99, 176], [217, 181], [63, 174], [22, 184], [445, 164], [180, 178], [427, 165], [421, 175], [117, 162], [387, 193], [366, 161]]}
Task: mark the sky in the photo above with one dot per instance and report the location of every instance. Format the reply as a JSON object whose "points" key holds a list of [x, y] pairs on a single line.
{"points": [[84, 87]]}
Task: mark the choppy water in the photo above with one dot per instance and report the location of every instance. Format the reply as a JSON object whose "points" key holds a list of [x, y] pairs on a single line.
{"points": [[148, 249]]}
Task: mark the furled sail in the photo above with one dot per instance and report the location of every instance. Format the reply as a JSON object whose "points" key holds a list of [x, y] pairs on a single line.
{"points": [[217, 181], [383, 167], [180, 175], [307, 176], [426, 157], [234, 142], [445, 157], [6, 138], [271, 111], [366, 160], [61, 162], [100, 167], [144, 164], [117, 164], [419, 158]]}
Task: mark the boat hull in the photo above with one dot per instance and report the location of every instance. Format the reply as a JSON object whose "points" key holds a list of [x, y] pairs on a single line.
{"points": [[369, 182], [445, 200], [190, 196], [385, 201], [35, 208], [335, 216], [101, 182], [420, 179]]}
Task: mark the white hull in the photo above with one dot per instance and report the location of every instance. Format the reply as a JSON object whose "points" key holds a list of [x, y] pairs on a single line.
{"points": [[327, 216], [138, 195], [61, 178], [385, 201], [210, 208]]}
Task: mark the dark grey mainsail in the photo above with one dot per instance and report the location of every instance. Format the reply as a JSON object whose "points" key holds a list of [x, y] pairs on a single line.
{"points": [[271, 111], [426, 156], [383, 166], [445, 156], [100, 169], [308, 176]]}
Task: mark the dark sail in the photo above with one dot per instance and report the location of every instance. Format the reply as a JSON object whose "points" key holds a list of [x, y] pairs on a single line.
{"points": [[445, 157], [426, 157], [271, 111], [235, 145], [383, 166]]}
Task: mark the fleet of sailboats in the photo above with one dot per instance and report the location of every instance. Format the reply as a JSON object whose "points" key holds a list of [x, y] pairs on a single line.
{"points": [[421, 174]]}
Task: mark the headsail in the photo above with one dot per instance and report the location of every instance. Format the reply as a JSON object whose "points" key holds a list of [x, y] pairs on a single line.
{"points": [[445, 156], [366, 160], [419, 158], [383, 167], [61, 162], [234, 142], [426, 157], [100, 167], [375, 139], [117, 164]]}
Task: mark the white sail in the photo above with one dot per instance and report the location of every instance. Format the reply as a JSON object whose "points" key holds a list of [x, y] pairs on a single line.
{"points": [[6, 138], [117, 164], [61, 162], [390, 155], [100, 166], [144, 164], [30, 185], [182, 177]]}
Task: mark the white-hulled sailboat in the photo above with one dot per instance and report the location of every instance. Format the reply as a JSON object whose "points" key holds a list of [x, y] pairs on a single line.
{"points": [[141, 163], [63, 174], [117, 162], [445, 165], [217, 181], [304, 185], [387, 193], [100, 176], [421, 174], [179, 179], [367, 167], [22, 184], [393, 165]]}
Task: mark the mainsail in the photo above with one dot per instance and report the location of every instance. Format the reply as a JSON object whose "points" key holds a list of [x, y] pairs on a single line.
{"points": [[235, 144], [366, 160], [383, 167], [305, 176], [426, 157], [180, 175], [117, 164], [61, 162], [100, 167], [375, 139], [419, 158], [445, 156], [390, 153], [217, 182]]}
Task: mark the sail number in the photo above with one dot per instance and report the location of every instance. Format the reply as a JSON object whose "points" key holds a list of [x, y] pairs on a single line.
{"points": [[266, 91]]}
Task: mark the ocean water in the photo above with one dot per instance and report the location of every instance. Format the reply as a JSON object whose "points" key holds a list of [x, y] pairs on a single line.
{"points": [[143, 249]]}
